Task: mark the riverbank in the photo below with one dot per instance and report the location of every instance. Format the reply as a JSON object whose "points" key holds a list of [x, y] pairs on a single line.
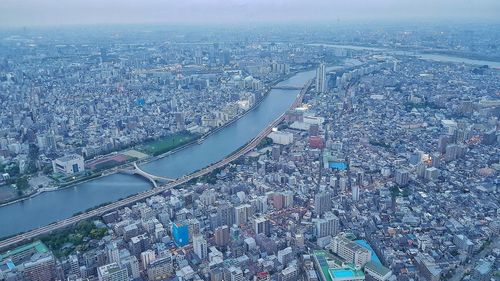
{"points": [[426, 54], [151, 158], [251, 142]]}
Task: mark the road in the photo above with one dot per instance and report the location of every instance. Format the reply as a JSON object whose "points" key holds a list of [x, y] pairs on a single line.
{"points": [[32, 234]]}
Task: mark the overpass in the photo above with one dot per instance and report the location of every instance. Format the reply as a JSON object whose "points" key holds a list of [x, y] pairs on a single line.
{"points": [[152, 178], [68, 222]]}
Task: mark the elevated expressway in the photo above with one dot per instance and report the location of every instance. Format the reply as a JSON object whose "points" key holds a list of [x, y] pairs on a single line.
{"points": [[32, 234]]}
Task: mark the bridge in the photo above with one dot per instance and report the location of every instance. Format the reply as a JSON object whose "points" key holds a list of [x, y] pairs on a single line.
{"points": [[152, 178], [286, 87], [68, 222]]}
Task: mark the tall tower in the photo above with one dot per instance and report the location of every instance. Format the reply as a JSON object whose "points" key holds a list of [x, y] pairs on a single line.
{"points": [[321, 78]]}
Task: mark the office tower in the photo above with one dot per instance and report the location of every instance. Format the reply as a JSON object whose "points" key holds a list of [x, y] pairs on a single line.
{"points": [[402, 177], [262, 225], [112, 272], [355, 192], [200, 247], [321, 78], [222, 237], [147, 257], [329, 225], [132, 265], [322, 203]]}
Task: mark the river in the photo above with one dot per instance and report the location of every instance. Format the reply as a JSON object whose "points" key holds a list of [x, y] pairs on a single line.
{"points": [[425, 56], [49, 207]]}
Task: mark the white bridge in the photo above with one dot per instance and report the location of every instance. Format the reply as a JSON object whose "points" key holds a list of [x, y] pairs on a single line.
{"points": [[152, 178]]}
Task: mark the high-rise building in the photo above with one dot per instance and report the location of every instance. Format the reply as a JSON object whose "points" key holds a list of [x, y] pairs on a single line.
{"points": [[112, 272], [355, 192], [112, 253], [74, 265], [322, 202], [222, 237], [132, 265], [262, 225], [193, 228], [321, 78], [329, 225], [402, 177], [225, 215], [285, 256], [200, 247], [242, 213], [147, 257], [41, 267]]}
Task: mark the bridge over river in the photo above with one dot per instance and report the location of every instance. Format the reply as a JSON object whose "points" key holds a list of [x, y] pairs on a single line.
{"points": [[68, 222], [152, 178]]}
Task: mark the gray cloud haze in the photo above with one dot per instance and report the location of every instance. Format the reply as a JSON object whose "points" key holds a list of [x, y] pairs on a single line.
{"points": [[61, 12]]}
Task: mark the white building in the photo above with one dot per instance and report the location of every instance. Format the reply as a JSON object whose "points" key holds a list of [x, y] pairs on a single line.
{"points": [[69, 164], [321, 78], [329, 225], [350, 251], [200, 247], [112, 272], [283, 138]]}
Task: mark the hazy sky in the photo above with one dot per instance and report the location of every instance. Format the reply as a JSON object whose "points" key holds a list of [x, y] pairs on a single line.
{"points": [[55, 12]]}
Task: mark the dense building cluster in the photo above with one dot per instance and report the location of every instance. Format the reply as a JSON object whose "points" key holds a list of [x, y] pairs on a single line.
{"points": [[389, 170]]}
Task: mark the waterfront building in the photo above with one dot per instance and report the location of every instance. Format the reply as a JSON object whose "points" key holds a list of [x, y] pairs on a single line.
{"points": [[69, 164]]}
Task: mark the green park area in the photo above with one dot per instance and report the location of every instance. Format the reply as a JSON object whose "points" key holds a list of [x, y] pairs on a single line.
{"points": [[67, 241], [160, 146]]}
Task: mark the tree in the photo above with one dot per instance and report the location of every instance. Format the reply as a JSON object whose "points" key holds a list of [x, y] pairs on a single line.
{"points": [[22, 183]]}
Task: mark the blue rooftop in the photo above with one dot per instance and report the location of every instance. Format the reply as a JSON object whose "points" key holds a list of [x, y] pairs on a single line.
{"points": [[338, 166], [367, 246], [10, 264]]}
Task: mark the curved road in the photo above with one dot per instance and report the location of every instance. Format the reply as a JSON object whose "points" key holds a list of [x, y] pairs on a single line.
{"points": [[148, 193]]}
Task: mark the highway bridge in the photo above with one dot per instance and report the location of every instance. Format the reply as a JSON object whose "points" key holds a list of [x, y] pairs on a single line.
{"points": [[47, 229], [152, 178]]}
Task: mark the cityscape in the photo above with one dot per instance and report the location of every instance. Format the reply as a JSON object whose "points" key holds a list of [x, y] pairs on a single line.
{"points": [[230, 148]]}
